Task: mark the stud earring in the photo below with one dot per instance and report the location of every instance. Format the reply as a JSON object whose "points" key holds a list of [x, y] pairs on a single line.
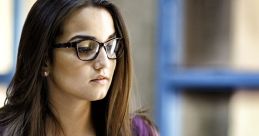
{"points": [[46, 73]]}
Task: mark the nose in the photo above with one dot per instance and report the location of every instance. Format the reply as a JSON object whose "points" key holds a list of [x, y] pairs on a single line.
{"points": [[101, 60]]}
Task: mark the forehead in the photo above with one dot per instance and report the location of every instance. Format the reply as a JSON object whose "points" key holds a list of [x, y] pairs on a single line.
{"points": [[92, 21]]}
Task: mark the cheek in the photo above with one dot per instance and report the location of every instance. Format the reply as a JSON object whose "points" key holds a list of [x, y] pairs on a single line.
{"points": [[113, 67], [68, 67], [71, 76], [68, 73]]}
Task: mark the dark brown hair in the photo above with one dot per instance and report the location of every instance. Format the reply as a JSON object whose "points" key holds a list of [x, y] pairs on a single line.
{"points": [[27, 105]]}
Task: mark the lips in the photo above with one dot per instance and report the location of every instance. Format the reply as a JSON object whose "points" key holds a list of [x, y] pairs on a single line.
{"points": [[100, 79]]}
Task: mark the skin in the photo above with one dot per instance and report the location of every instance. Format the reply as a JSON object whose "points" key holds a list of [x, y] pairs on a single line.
{"points": [[70, 87]]}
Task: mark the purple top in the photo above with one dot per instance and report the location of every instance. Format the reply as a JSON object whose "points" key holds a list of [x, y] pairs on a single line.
{"points": [[143, 127]]}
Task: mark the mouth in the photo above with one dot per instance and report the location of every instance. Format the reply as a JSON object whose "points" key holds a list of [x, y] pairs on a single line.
{"points": [[100, 79]]}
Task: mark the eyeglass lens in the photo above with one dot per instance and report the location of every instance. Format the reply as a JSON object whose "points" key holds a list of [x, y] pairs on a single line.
{"points": [[88, 49]]}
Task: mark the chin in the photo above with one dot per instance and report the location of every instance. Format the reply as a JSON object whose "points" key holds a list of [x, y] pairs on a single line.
{"points": [[98, 97]]}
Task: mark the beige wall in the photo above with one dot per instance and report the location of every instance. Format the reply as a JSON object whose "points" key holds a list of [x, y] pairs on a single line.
{"points": [[6, 32], [245, 34], [244, 109], [2, 94], [140, 17]]}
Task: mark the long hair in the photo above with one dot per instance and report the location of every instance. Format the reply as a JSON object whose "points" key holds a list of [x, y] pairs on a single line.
{"points": [[27, 105]]}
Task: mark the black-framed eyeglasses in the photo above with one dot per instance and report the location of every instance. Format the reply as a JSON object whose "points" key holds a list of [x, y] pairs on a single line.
{"points": [[88, 49]]}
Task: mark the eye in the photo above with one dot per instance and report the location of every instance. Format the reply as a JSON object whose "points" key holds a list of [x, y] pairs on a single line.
{"points": [[87, 46], [84, 49], [111, 45]]}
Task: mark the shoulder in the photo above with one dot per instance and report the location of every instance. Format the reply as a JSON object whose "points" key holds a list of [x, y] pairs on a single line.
{"points": [[142, 126]]}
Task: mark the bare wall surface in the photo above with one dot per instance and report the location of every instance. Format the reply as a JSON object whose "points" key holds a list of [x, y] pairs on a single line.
{"points": [[140, 17]]}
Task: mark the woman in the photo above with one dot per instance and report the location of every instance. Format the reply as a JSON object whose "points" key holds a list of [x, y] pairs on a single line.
{"points": [[73, 74]]}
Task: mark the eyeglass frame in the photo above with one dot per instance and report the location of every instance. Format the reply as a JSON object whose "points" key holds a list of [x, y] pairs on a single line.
{"points": [[74, 45]]}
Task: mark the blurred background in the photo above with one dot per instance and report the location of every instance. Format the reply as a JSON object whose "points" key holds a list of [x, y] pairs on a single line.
{"points": [[196, 62]]}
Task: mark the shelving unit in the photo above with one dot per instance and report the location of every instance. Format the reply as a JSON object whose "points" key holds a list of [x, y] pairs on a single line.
{"points": [[198, 69], [19, 10]]}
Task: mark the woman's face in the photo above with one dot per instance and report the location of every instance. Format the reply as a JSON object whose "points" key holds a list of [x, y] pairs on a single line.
{"points": [[87, 80]]}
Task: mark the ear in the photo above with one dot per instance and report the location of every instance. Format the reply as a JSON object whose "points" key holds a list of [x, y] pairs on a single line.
{"points": [[45, 70]]}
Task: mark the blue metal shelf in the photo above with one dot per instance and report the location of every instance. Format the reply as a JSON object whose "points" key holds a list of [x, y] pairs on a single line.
{"points": [[168, 50], [172, 79], [213, 78], [5, 79]]}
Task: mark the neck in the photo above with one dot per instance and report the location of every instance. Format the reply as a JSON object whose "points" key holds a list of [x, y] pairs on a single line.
{"points": [[74, 115]]}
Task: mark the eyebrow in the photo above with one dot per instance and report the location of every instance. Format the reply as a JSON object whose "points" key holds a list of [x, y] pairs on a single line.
{"points": [[89, 37]]}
